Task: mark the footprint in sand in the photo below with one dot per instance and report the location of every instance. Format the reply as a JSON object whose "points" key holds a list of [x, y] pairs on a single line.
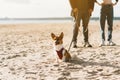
{"points": [[117, 72]]}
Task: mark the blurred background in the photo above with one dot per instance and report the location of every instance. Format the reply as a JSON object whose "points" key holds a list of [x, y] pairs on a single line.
{"points": [[42, 9]]}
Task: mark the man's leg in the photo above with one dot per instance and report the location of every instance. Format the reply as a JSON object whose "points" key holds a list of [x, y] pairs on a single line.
{"points": [[110, 26], [102, 25], [110, 22], [75, 31], [85, 21]]}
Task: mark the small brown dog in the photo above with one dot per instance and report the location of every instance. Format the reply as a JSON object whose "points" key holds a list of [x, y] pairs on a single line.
{"points": [[60, 50]]}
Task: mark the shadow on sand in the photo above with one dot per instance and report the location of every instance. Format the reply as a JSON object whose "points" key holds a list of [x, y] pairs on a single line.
{"points": [[88, 63]]}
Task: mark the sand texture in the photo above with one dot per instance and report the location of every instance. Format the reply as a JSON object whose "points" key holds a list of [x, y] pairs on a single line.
{"points": [[26, 53]]}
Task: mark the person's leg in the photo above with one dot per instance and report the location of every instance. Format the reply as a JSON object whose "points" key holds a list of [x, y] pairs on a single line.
{"points": [[102, 24], [76, 29], [110, 26], [85, 21], [110, 22]]}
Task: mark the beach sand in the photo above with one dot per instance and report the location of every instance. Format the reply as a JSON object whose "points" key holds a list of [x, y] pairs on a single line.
{"points": [[26, 53]]}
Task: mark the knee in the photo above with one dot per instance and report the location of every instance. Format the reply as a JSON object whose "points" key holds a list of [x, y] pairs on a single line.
{"points": [[85, 28], [85, 25], [77, 24]]}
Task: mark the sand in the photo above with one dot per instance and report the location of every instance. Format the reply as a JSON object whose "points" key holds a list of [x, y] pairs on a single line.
{"points": [[26, 53]]}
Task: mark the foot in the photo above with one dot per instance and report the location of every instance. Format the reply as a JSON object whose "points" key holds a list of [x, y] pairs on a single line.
{"points": [[87, 44], [74, 45], [102, 43], [110, 43]]}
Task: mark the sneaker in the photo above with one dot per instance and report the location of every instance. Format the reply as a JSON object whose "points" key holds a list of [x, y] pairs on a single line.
{"points": [[74, 45], [102, 43], [110, 43], [87, 44]]}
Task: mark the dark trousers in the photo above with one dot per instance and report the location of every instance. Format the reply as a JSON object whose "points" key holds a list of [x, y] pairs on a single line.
{"points": [[84, 16], [106, 14]]}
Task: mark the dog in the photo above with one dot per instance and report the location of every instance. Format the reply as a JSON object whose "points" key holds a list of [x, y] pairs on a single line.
{"points": [[62, 53]]}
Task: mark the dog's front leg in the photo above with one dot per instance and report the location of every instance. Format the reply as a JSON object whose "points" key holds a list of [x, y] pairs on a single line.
{"points": [[57, 60]]}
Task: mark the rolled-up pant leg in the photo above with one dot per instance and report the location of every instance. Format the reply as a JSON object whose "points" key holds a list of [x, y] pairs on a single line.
{"points": [[76, 28], [85, 21]]}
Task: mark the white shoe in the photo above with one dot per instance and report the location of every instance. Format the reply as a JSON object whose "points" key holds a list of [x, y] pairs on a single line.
{"points": [[110, 43], [102, 43]]}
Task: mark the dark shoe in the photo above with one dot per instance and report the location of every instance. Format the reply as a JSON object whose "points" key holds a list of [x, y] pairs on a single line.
{"points": [[87, 44], [74, 45]]}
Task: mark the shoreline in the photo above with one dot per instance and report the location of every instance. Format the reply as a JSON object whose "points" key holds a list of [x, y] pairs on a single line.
{"points": [[41, 22], [6, 22]]}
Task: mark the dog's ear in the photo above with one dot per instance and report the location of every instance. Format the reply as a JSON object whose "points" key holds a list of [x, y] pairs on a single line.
{"points": [[61, 35], [53, 36]]}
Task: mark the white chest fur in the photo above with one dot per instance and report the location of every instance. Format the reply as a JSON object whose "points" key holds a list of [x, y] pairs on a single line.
{"points": [[58, 48]]}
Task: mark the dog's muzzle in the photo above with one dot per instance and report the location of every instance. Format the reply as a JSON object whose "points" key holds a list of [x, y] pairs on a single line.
{"points": [[57, 42]]}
